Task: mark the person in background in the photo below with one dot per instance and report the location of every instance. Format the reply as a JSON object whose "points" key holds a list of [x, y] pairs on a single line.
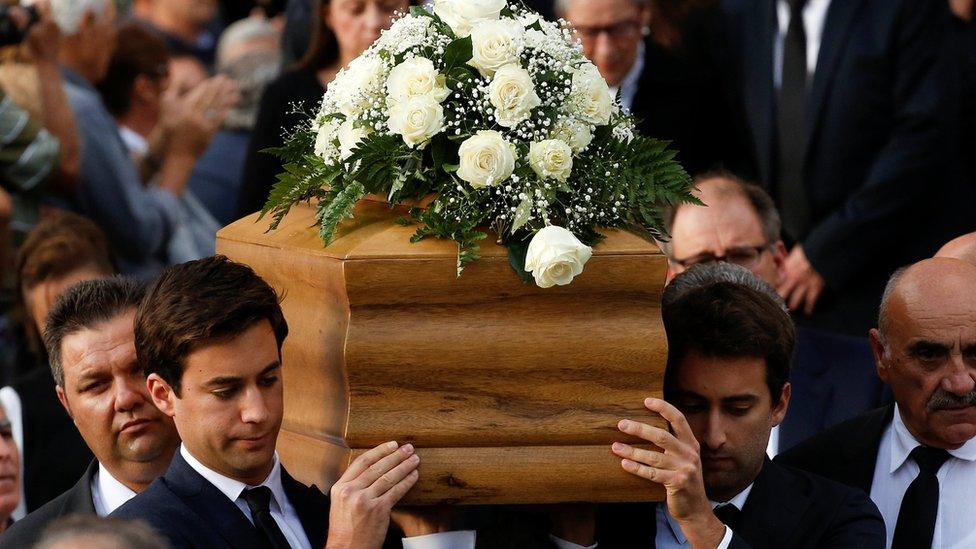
{"points": [[917, 457], [93, 532], [10, 476], [343, 30], [674, 94], [89, 337], [189, 27], [249, 53], [833, 375]]}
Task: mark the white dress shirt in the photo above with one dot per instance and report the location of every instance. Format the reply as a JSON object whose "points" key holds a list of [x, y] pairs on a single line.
{"points": [[894, 471], [814, 18], [108, 494], [628, 87]]}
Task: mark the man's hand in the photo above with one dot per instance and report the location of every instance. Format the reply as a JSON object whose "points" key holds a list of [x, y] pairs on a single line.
{"points": [[365, 494], [802, 284], [678, 468], [44, 38], [200, 113]]}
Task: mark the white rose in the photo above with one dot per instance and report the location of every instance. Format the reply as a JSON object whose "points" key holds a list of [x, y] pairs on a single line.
{"points": [[486, 159], [591, 95], [349, 137], [555, 257], [551, 159], [513, 94], [415, 77], [325, 136], [573, 132], [359, 85], [417, 119], [496, 44], [461, 15]]}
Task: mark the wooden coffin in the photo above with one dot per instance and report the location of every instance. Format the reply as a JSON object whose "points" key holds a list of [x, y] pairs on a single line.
{"points": [[511, 393]]}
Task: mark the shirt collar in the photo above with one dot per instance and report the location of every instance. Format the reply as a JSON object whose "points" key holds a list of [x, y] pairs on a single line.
{"points": [[234, 488], [903, 442], [628, 86], [109, 492], [739, 500]]}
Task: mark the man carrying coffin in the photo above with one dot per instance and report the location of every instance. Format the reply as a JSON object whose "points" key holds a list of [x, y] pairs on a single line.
{"points": [[209, 336], [727, 384], [917, 458]]}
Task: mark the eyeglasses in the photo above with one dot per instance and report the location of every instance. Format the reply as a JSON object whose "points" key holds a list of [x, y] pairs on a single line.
{"points": [[623, 30], [744, 256]]}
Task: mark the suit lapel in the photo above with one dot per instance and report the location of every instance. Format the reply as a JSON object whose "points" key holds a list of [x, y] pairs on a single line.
{"points": [[773, 508], [837, 28], [311, 506], [757, 82], [81, 499], [211, 505]]}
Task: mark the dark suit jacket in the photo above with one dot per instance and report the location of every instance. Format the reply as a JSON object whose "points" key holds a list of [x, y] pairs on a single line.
{"points": [[77, 500], [846, 453], [786, 508], [191, 512], [877, 156], [833, 379]]}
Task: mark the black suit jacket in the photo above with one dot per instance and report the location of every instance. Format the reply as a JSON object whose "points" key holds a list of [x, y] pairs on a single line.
{"points": [[77, 500], [786, 508], [877, 158], [846, 453], [191, 512]]}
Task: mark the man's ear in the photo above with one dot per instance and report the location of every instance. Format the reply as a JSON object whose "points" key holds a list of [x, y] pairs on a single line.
{"points": [[162, 394], [64, 401], [878, 350], [780, 407]]}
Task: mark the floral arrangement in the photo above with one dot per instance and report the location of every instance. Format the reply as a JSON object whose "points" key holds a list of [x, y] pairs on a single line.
{"points": [[496, 117]]}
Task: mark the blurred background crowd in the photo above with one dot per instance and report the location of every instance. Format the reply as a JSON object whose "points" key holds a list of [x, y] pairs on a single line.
{"points": [[835, 140]]}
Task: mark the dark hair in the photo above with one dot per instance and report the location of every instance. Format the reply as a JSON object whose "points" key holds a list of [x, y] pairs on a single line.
{"points": [[196, 303], [84, 306], [131, 534], [323, 48], [140, 51], [730, 320]]}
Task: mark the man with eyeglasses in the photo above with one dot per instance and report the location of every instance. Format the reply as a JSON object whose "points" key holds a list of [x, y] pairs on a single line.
{"points": [[669, 89], [833, 375]]}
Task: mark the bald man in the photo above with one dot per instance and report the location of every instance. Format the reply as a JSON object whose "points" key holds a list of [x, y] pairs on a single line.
{"points": [[963, 248], [916, 458]]}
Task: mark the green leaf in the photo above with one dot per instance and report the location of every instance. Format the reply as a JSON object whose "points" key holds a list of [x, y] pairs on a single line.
{"points": [[334, 209], [522, 214], [516, 258], [458, 53], [420, 11]]}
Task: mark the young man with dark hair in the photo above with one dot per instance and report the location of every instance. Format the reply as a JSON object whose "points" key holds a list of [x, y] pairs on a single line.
{"points": [[209, 336], [727, 385], [91, 346]]}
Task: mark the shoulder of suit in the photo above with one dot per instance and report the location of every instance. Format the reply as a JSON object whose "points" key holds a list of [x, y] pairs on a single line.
{"points": [[27, 530], [156, 500], [822, 449]]}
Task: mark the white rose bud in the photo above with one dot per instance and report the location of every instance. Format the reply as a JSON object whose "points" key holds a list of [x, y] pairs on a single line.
{"points": [[486, 159], [415, 77], [349, 136], [358, 84], [496, 44], [555, 257], [325, 136], [551, 159], [591, 95], [461, 15], [573, 132], [417, 119], [513, 95]]}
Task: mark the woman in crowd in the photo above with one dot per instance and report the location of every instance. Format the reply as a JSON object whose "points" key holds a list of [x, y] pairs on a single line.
{"points": [[343, 30]]}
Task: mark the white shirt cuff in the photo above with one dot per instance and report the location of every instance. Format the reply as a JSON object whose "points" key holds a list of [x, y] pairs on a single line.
{"points": [[563, 544], [727, 540], [462, 539]]}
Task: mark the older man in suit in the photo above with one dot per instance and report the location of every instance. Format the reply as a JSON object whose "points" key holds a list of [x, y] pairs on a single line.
{"points": [[90, 342], [727, 385], [845, 110], [916, 458], [209, 334]]}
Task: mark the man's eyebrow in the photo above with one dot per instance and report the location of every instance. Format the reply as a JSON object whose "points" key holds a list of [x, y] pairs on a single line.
{"points": [[925, 345], [740, 399], [230, 380], [270, 368]]}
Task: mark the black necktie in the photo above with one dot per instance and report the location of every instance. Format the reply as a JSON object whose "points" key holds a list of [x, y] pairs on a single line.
{"points": [[920, 506], [791, 127], [728, 514], [259, 502]]}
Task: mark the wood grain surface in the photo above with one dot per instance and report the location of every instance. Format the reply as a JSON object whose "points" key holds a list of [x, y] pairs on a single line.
{"points": [[511, 393]]}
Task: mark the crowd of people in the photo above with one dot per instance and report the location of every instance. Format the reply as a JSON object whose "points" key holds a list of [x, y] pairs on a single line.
{"points": [[820, 389]]}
